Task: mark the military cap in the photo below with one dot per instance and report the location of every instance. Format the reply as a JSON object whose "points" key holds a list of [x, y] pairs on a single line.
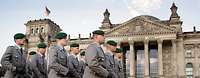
{"points": [[119, 50], [98, 32], [61, 35], [32, 53], [19, 36], [111, 42], [82, 53], [41, 45], [74, 45]]}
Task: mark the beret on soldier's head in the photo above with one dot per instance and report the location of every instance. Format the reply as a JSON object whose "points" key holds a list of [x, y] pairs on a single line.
{"points": [[61, 35], [41, 45], [111, 42], [32, 53], [119, 50], [19, 36], [74, 45], [98, 32], [82, 53]]}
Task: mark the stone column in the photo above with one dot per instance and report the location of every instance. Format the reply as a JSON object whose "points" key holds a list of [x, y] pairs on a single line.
{"points": [[132, 60], [196, 65], [146, 56], [160, 60], [174, 58]]}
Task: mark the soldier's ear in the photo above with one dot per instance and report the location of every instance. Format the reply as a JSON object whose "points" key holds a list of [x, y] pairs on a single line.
{"points": [[94, 36]]}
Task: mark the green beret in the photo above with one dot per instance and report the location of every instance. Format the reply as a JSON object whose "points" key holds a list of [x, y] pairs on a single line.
{"points": [[32, 53], [119, 50], [41, 45], [111, 42], [61, 35], [74, 45], [82, 53], [19, 36], [98, 32]]}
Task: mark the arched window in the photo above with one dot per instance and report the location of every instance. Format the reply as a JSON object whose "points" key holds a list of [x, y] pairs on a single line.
{"points": [[36, 31], [32, 31], [42, 30], [189, 70]]}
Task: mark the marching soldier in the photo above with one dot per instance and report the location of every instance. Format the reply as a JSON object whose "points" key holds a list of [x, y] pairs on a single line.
{"points": [[73, 60], [119, 63], [110, 55], [39, 63], [58, 67], [95, 58], [15, 58]]}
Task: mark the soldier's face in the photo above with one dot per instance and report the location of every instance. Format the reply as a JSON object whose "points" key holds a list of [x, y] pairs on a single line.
{"points": [[101, 38], [42, 50], [63, 41], [112, 48], [20, 41], [75, 50], [119, 55]]}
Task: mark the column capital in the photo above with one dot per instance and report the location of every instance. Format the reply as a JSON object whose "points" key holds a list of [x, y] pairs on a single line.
{"points": [[174, 40], [146, 41], [131, 42], [160, 41]]}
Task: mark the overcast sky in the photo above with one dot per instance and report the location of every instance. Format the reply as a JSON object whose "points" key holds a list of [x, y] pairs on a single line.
{"points": [[84, 16]]}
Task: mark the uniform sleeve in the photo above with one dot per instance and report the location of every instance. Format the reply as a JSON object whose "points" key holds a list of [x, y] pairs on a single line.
{"points": [[93, 62], [53, 63], [5, 61], [33, 64]]}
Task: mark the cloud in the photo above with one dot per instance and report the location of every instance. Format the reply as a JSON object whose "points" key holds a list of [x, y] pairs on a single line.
{"points": [[146, 5], [133, 12], [137, 7]]}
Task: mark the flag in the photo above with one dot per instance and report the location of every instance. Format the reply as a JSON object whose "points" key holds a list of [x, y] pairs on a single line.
{"points": [[47, 11]]}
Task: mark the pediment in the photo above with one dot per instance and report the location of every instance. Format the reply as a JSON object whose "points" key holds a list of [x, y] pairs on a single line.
{"points": [[141, 26]]}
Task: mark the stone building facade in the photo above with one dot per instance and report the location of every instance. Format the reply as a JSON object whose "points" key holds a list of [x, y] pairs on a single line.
{"points": [[154, 48]]}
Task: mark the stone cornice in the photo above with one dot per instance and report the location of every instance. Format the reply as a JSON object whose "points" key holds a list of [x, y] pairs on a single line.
{"points": [[142, 33]]}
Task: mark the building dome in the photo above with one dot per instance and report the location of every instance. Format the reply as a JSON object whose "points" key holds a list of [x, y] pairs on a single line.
{"points": [[152, 18]]}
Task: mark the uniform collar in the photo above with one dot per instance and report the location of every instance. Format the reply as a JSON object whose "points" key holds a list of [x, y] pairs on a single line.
{"points": [[19, 47], [60, 47], [76, 56], [110, 53], [40, 54], [97, 44]]}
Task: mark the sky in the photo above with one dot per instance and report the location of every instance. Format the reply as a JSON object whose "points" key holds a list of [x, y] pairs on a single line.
{"points": [[84, 16]]}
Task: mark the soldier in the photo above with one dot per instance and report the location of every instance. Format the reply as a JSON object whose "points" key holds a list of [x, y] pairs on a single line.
{"points": [[73, 60], [39, 63], [58, 58], [15, 58], [110, 55], [82, 63], [95, 58], [119, 63]]}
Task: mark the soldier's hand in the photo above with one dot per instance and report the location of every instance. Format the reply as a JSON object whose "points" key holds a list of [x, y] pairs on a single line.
{"points": [[14, 68], [11, 67], [109, 75]]}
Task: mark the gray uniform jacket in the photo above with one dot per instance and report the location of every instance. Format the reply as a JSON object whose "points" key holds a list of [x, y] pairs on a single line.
{"points": [[119, 68], [39, 66], [58, 67], [74, 67], [82, 66], [111, 63], [14, 61], [95, 60]]}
